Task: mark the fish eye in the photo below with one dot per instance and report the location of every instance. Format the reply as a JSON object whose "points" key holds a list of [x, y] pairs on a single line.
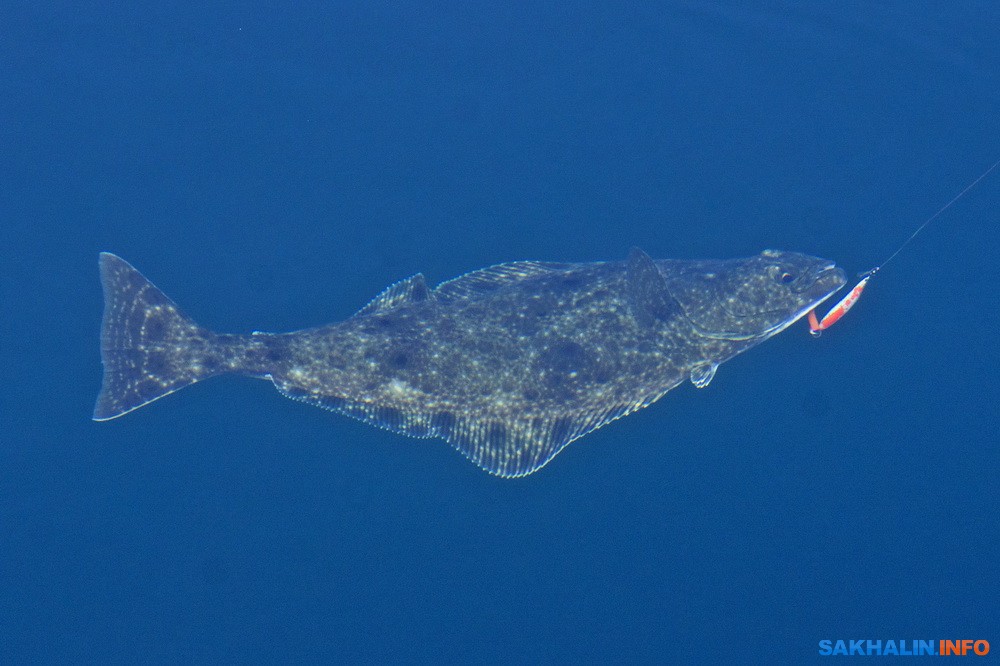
{"points": [[786, 278]]}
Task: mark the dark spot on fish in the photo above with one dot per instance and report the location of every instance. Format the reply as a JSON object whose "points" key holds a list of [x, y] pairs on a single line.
{"points": [[333, 402], [565, 357], [602, 375], [538, 308], [444, 423], [274, 350], [154, 329], [496, 436], [563, 366], [389, 417], [399, 360], [386, 322], [530, 394], [147, 387], [156, 364], [418, 428], [561, 429]]}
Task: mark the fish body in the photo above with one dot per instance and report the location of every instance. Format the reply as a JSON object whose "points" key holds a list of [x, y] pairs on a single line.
{"points": [[509, 363]]}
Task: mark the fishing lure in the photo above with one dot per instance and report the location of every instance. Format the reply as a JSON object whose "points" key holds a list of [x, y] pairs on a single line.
{"points": [[817, 326]]}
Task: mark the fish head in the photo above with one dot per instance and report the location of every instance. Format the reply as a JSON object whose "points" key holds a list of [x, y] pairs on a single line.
{"points": [[755, 297]]}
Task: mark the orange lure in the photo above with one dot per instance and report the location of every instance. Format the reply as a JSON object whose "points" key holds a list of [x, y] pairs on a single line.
{"points": [[816, 327]]}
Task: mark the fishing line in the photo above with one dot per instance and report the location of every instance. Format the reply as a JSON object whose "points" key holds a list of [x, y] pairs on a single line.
{"points": [[816, 327], [933, 217]]}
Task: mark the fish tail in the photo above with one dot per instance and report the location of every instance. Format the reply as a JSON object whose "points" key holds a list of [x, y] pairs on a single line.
{"points": [[149, 348]]}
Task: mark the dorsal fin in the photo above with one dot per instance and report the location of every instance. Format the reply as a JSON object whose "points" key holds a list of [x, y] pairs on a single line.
{"points": [[649, 297], [492, 278], [411, 290]]}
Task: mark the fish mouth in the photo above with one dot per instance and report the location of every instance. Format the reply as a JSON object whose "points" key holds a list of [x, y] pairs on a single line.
{"points": [[827, 281]]}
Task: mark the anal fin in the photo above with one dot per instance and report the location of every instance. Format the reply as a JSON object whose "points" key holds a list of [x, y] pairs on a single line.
{"points": [[506, 445]]}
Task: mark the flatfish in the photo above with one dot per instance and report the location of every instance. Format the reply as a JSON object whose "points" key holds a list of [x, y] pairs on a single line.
{"points": [[508, 363]]}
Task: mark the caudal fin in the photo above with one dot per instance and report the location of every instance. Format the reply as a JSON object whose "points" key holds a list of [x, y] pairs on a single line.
{"points": [[148, 346]]}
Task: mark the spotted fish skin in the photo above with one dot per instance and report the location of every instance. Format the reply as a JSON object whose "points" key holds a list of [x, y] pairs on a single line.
{"points": [[509, 363]]}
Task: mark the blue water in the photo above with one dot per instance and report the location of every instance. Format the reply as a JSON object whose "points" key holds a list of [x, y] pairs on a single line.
{"points": [[274, 169]]}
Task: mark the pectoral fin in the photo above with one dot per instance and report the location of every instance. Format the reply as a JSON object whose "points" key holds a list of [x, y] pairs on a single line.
{"points": [[702, 374]]}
